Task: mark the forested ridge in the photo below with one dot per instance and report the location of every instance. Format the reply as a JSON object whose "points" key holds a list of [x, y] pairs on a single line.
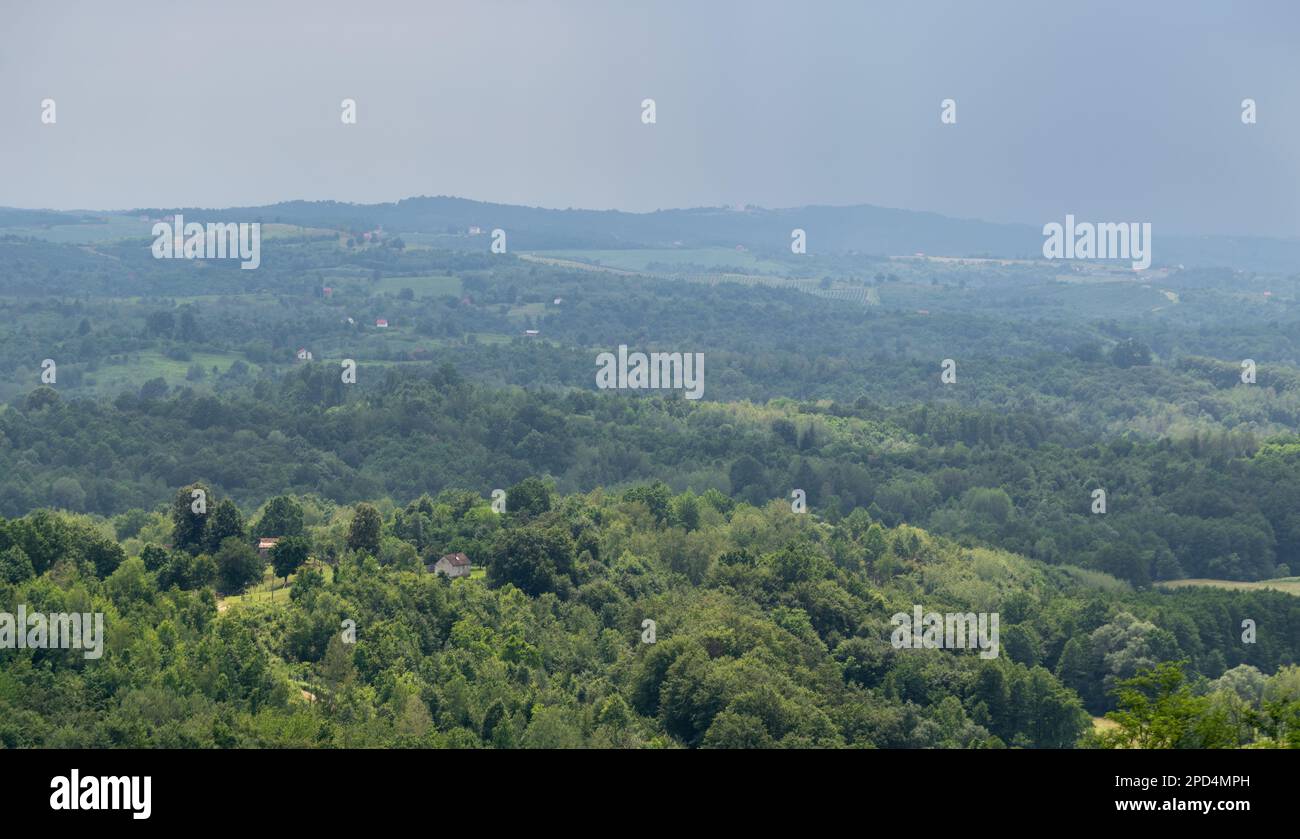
{"points": [[772, 630]]}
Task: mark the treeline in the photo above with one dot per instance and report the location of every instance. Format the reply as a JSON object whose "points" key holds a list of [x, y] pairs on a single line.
{"points": [[1208, 505]]}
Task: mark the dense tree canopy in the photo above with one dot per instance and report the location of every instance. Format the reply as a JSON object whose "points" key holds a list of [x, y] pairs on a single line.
{"points": [[651, 579]]}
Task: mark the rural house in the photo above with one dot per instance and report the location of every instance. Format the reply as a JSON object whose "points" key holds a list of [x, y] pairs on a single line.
{"points": [[451, 565], [266, 544]]}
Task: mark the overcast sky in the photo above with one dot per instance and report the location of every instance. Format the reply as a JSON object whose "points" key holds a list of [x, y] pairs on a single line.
{"points": [[1110, 111]]}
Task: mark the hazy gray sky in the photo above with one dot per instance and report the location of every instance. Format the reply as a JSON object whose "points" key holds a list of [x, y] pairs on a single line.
{"points": [[1109, 110]]}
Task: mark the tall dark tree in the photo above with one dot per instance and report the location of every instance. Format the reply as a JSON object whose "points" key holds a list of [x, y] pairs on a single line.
{"points": [[226, 522], [189, 512], [282, 517], [238, 565], [748, 478], [533, 559], [656, 496], [364, 532], [15, 566], [529, 498], [105, 555], [289, 554], [1130, 353]]}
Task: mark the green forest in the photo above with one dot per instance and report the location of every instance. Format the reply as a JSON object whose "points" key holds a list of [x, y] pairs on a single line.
{"points": [[645, 570]]}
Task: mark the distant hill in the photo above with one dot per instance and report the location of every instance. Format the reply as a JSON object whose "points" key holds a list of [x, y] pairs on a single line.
{"points": [[860, 228], [863, 228]]}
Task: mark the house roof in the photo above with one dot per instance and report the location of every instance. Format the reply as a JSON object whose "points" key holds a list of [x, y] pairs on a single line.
{"points": [[457, 559], [267, 542]]}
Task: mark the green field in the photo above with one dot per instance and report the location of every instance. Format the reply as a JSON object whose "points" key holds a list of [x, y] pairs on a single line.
{"points": [[1290, 585], [111, 228], [666, 260], [272, 589], [251, 298], [429, 286], [271, 230], [138, 368], [426, 240], [527, 310]]}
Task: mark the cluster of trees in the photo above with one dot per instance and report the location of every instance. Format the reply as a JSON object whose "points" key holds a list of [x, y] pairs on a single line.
{"points": [[770, 628], [1160, 710]]}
